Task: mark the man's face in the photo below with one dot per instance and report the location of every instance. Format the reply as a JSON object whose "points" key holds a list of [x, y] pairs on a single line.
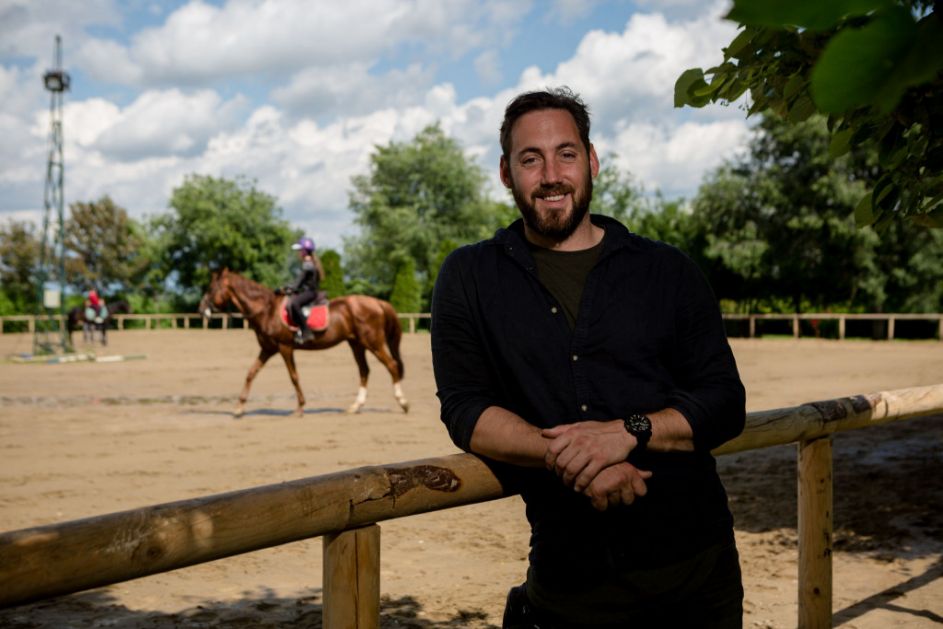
{"points": [[549, 172]]}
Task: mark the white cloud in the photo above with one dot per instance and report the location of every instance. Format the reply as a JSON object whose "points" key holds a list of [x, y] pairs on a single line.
{"points": [[350, 89], [28, 27], [488, 67], [675, 159], [201, 43], [160, 123]]}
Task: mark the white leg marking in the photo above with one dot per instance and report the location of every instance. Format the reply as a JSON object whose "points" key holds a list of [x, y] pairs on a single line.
{"points": [[358, 403]]}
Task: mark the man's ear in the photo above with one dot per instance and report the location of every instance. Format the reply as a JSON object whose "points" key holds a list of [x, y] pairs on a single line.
{"points": [[504, 170], [593, 161]]}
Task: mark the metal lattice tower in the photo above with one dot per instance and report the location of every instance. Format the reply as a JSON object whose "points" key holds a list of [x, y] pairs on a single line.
{"points": [[51, 335]]}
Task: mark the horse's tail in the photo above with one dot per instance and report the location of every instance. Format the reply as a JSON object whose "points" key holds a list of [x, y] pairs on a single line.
{"points": [[393, 333]]}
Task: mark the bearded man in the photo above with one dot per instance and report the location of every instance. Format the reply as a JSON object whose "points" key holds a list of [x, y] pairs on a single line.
{"points": [[589, 366]]}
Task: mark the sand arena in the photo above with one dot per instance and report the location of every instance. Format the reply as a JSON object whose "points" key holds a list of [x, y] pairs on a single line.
{"points": [[78, 440]]}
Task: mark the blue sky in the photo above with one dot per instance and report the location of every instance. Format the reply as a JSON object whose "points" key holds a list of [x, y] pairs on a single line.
{"points": [[295, 94]]}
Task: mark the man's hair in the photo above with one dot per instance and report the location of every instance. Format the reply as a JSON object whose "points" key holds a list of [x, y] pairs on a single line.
{"points": [[551, 98]]}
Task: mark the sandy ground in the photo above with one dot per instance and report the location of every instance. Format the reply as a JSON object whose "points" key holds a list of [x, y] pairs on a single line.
{"points": [[78, 440]]}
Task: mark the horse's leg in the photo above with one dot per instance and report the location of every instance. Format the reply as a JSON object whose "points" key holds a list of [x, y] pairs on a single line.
{"points": [[386, 358], [360, 355], [104, 334], [260, 361], [288, 353]]}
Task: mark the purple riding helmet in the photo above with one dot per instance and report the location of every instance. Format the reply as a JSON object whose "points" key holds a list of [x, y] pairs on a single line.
{"points": [[304, 244]]}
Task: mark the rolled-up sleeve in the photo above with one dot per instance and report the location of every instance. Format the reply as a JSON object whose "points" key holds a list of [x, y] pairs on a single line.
{"points": [[464, 378], [709, 392]]}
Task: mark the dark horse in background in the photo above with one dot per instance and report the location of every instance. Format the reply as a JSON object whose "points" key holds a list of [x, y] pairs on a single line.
{"points": [[366, 323], [77, 318]]}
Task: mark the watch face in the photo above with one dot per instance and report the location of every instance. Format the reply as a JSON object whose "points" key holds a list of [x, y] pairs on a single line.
{"points": [[639, 423]]}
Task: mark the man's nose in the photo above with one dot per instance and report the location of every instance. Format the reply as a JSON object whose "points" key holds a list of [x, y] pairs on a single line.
{"points": [[551, 172]]}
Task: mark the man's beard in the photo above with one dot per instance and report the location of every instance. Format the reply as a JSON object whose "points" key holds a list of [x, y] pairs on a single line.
{"points": [[554, 225]]}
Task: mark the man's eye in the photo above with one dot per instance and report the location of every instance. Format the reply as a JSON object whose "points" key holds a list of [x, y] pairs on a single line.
{"points": [[529, 160]]}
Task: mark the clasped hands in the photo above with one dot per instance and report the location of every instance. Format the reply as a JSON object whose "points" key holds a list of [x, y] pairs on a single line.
{"points": [[590, 457]]}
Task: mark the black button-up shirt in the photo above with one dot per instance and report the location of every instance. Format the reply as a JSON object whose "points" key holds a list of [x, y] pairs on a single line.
{"points": [[648, 336]]}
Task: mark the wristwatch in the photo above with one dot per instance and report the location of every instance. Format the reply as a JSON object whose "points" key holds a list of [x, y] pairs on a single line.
{"points": [[640, 427]]}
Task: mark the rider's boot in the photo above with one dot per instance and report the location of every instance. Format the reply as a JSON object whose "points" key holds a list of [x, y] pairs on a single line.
{"points": [[303, 336]]}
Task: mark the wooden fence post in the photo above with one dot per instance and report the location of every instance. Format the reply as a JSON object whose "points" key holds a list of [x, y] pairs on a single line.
{"points": [[352, 579], [752, 326], [841, 328], [815, 533], [795, 326], [890, 328]]}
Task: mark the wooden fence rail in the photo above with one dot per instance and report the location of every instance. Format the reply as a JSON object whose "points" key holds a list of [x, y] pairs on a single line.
{"points": [[174, 320], [344, 507], [413, 321]]}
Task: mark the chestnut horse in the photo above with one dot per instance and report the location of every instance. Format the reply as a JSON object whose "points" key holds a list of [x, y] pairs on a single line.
{"points": [[366, 323]]}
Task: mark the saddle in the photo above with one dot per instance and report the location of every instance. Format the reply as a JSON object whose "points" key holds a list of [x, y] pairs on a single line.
{"points": [[317, 314]]}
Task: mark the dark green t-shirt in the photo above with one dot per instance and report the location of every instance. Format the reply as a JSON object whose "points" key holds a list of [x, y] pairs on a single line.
{"points": [[563, 273]]}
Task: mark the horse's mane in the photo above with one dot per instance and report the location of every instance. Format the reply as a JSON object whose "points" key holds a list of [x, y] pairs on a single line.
{"points": [[251, 289]]}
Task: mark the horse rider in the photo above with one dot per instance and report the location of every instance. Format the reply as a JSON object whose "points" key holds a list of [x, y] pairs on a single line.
{"points": [[305, 288], [94, 307]]}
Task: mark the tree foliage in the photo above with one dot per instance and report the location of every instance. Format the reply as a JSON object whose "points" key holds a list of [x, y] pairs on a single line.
{"points": [[333, 283], [407, 292], [105, 248], [19, 255], [778, 230], [872, 66], [217, 222], [416, 195]]}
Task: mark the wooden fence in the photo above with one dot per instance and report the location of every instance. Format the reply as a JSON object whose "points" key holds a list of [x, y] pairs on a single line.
{"points": [[890, 320], [413, 321], [344, 508], [175, 320]]}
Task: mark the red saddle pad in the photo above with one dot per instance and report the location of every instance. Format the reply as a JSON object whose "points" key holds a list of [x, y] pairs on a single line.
{"points": [[318, 318]]}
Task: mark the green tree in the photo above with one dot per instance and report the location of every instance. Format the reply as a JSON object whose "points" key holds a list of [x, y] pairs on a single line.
{"points": [[19, 255], [778, 225], [416, 195], [780, 218], [333, 283], [616, 194], [106, 248], [872, 66], [407, 292], [216, 222]]}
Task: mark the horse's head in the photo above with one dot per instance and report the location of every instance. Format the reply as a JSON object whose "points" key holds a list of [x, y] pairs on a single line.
{"points": [[217, 295]]}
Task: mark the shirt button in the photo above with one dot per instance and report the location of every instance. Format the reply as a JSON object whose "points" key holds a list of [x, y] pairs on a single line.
{"points": [[575, 358], [584, 408], [554, 310]]}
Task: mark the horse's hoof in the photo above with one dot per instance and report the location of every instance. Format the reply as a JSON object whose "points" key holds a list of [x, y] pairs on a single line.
{"points": [[353, 409], [238, 413], [299, 412], [405, 406]]}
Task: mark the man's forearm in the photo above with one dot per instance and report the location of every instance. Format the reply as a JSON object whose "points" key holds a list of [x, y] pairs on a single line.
{"points": [[505, 436], [671, 432]]}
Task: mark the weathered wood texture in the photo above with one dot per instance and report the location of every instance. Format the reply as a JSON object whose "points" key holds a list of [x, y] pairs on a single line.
{"points": [[352, 579], [815, 533], [820, 419], [57, 559]]}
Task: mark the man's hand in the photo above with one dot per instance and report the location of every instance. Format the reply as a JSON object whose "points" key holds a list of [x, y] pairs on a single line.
{"points": [[580, 451], [618, 484]]}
